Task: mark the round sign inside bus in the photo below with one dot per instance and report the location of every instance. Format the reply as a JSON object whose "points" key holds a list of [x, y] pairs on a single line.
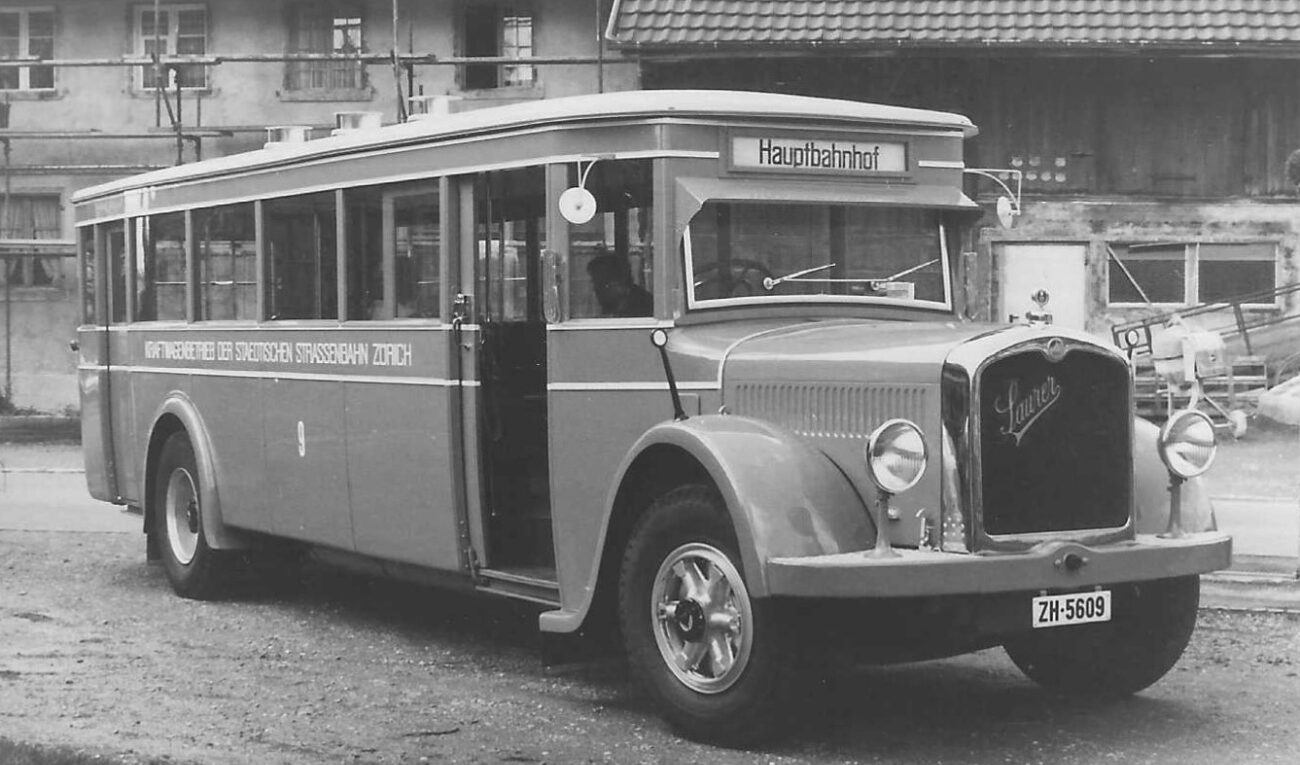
{"points": [[577, 205]]}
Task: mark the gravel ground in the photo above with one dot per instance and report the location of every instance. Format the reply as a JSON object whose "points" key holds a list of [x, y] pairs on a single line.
{"points": [[96, 653]]}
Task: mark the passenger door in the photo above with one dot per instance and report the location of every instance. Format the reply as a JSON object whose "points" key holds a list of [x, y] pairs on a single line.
{"points": [[509, 235], [93, 360]]}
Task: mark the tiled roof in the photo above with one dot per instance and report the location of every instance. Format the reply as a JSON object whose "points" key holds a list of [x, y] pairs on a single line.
{"points": [[1020, 23]]}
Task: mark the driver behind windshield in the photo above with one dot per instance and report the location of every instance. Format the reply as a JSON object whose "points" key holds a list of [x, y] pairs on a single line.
{"points": [[617, 294]]}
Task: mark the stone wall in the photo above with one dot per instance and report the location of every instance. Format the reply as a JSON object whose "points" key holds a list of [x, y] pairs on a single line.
{"points": [[35, 329]]}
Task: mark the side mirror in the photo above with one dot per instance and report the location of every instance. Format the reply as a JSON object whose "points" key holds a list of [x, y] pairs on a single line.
{"points": [[1007, 212]]}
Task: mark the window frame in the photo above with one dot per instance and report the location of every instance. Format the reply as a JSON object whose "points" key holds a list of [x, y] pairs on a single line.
{"points": [[1191, 261], [296, 71], [25, 265], [24, 14], [390, 195], [943, 232], [501, 10], [140, 43]]}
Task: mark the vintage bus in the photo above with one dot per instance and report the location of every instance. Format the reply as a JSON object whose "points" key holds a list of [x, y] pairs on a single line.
{"points": [[691, 365]]}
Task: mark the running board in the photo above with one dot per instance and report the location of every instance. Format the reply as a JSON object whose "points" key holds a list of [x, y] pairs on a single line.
{"points": [[511, 585]]}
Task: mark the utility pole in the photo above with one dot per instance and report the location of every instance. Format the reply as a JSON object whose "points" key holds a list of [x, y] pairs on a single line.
{"points": [[9, 272]]}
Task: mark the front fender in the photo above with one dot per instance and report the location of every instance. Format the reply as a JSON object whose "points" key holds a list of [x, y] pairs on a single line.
{"points": [[1151, 488], [785, 498], [179, 406]]}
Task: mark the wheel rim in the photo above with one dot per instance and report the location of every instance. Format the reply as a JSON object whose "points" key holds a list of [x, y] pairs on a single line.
{"points": [[182, 513], [702, 617]]}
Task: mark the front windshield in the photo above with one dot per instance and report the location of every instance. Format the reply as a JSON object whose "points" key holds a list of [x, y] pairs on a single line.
{"points": [[770, 251]]}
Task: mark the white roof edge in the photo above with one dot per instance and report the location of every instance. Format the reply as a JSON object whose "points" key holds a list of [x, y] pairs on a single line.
{"points": [[620, 104]]}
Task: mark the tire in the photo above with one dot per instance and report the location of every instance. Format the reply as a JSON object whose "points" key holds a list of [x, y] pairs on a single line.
{"points": [[711, 663], [1152, 624], [194, 569]]}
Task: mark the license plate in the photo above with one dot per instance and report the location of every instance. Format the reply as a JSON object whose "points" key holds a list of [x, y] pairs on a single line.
{"points": [[1075, 608]]}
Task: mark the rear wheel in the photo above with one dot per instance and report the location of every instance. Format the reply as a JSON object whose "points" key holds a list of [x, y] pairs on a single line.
{"points": [[701, 646], [1153, 623], [194, 569]]}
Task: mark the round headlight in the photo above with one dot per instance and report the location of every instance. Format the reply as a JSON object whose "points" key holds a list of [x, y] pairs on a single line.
{"points": [[896, 456], [1188, 443]]}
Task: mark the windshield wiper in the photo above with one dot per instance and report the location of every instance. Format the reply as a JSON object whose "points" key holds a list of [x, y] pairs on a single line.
{"points": [[770, 283], [876, 284]]}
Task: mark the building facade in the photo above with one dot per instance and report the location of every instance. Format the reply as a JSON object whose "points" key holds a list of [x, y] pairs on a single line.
{"points": [[1150, 138], [89, 101]]}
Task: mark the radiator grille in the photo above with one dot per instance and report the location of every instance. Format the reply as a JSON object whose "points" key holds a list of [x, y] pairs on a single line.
{"points": [[1055, 443], [818, 410]]}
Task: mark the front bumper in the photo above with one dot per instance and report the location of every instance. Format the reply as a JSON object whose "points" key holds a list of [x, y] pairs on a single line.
{"points": [[915, 573]]}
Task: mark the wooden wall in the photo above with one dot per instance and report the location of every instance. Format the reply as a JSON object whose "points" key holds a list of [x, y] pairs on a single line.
{"points": [[1099, 125]]}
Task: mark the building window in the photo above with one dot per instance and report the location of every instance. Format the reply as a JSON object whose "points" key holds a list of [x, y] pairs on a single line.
{"points": [[180, 30], [1192, 273], [325, 28], [27, 33], [498, 30], [29, 217]]}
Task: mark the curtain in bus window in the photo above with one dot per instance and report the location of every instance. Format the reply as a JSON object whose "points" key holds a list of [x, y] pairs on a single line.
{"points": [[364, 209], [226, 244], [160, 268], [115, 239], [300, 250], [86, 259], [611, 257]]}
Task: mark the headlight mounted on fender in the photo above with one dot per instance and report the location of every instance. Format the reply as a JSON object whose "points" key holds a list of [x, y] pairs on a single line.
{"points": [[1188, 443], [896, 456]]}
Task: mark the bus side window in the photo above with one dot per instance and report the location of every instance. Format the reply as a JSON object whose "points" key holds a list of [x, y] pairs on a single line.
{"points": [[416, 249], [393, 230], [301, 256], [510, 237], [611, 257], [226, 254], [160, 273]]}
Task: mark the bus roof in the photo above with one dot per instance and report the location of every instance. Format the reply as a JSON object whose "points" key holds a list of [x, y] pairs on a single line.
{"points": [[661, 104]]}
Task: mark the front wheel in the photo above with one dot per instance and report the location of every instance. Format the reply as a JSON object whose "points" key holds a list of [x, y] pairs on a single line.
{"points": [[1152, 624], [194, 569], [701, 646]]}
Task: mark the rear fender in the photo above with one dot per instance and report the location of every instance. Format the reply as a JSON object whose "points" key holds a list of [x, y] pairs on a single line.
{"points": [[1151, 488], [179, 412], [785, 498]]}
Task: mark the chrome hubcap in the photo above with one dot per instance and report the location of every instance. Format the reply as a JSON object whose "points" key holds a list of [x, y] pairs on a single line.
{"points": [[182, 513], [703, 620]]}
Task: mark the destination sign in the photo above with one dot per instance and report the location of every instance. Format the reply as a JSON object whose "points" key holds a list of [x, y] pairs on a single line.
{"points": [[818, 155]]}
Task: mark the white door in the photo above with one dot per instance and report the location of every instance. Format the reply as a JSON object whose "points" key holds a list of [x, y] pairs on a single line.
{"points": [[1057, 268]]}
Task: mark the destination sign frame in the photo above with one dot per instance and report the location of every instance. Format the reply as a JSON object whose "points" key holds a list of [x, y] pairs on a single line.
{"points": [[818, 154]]}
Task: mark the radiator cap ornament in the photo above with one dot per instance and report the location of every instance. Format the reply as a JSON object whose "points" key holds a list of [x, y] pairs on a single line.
{"points": [[1055, 350]]}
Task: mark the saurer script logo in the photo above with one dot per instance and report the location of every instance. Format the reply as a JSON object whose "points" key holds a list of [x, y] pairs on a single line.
{"points": [[1020, 412]]}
